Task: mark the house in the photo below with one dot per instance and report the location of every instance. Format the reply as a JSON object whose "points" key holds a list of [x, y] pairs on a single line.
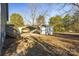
{"points": [[3, 19], [47, 30]]}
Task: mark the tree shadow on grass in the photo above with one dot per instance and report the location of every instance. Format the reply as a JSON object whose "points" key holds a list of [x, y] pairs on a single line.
{"points": [[69, 36], [10, 41], [9, 46], [45, 49]]}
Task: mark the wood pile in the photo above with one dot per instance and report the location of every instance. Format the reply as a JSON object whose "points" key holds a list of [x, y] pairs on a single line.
{"points": [[25, 30]]}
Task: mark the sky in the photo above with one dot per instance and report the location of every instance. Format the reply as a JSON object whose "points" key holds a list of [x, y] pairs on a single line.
{"points": [[24, 9]]}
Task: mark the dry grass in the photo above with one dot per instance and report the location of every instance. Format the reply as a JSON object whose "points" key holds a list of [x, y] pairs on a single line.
{"points": [[69, 45], [34, 44]]}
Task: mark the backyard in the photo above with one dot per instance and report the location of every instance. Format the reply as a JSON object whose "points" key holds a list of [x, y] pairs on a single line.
{"points": [[39, 29], [44, 45]]}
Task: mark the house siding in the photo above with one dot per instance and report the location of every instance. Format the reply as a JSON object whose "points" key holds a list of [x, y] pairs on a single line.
{"points": [[3, 18], [47, 30]]}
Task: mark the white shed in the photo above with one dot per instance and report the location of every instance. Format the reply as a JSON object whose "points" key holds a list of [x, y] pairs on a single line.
{"points": [[47, 30], [43, 30]]}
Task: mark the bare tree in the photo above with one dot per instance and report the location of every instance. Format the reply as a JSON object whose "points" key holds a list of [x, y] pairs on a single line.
{"points": [[35, 12], [76, 4], [73, 9]]}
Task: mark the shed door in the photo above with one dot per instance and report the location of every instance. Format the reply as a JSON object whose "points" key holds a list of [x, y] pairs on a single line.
{"points": [[42, 30], [51, 30]]}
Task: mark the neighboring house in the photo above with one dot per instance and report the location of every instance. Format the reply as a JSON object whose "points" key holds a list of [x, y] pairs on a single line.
{"points": [[3, 19], [47, 30]]}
